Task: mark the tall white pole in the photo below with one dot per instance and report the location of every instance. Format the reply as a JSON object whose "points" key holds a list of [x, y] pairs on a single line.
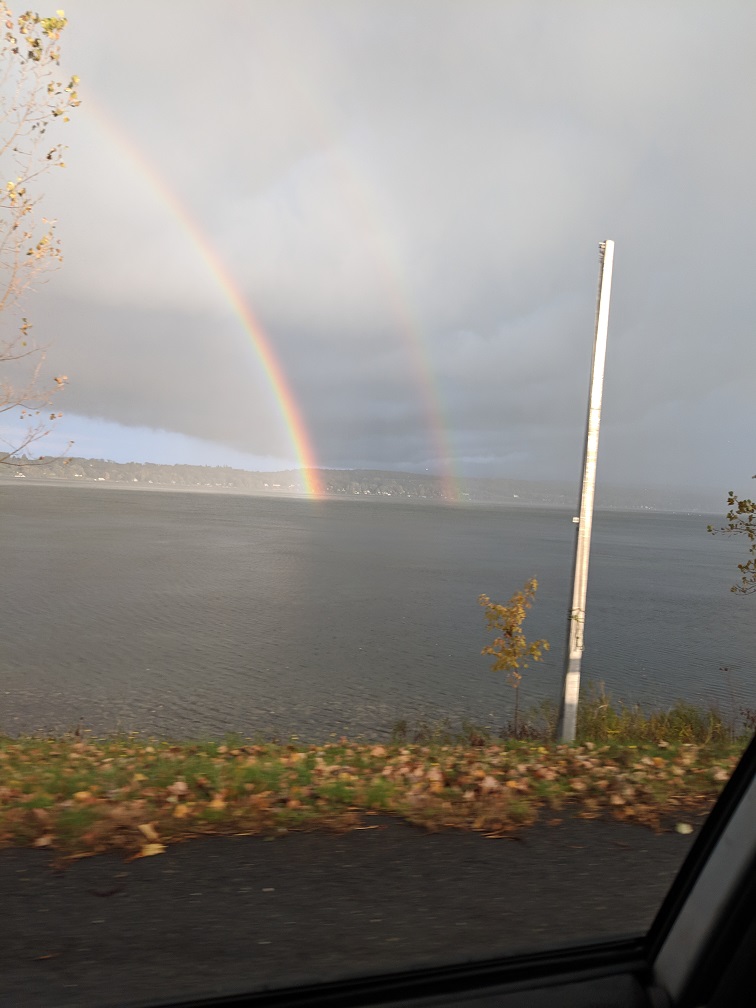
{"points": [[576, 617]]}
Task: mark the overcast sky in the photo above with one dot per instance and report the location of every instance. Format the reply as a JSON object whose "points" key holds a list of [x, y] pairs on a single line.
{"points": [[409, 195]]}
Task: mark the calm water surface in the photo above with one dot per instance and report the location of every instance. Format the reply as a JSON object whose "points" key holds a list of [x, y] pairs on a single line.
{"points": [[180, 613]]}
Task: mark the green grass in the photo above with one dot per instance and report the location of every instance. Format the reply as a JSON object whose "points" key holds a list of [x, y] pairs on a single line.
{"points": [[600, 719], [79, 794]]}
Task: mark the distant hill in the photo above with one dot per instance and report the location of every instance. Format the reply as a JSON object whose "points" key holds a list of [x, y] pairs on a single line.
{"points": [[370, 483]]}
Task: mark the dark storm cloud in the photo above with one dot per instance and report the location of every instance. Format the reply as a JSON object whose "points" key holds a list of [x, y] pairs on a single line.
{"points": [[167, 370], [427, 181]]}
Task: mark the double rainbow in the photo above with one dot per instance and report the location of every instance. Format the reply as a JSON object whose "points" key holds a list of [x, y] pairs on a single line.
{"points": [[364, 202]]}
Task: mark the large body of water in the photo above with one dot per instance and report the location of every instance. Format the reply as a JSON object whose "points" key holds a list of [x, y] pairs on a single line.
{"points": [[177, 614]]}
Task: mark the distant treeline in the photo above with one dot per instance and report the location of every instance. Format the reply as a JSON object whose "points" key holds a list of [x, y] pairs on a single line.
{"points": [[372, 483]]}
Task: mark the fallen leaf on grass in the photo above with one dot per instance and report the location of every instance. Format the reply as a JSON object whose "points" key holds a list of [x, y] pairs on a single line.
{"points": [[43, 841], [148, 831]]}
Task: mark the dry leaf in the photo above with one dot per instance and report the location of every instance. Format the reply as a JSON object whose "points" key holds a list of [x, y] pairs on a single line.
{"points": [[148, 831], [150, 850]]}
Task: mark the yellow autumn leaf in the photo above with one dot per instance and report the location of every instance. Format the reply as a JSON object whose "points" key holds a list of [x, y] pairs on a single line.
{"points": [[148, 831], [83, 795], [150, 850], [181, 812], [217, 803]]}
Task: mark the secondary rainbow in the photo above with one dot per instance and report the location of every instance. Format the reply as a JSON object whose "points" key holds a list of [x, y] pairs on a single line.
{"points": [[399, 301], [288, 407], [376, 235]]}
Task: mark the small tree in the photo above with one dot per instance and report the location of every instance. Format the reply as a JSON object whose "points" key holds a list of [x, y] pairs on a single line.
{"points": [[510, 649], [741, 520], [30, 99]]}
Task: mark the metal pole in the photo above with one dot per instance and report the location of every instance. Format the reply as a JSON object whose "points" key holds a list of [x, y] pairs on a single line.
{"points": [[576, 616]]}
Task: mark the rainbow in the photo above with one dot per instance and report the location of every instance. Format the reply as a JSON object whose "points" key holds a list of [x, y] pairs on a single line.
{"points": [[399, 301], [290, 412], [365, 201]]}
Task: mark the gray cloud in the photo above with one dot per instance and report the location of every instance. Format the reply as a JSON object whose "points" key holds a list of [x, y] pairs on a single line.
{"points": [[411, 198]]}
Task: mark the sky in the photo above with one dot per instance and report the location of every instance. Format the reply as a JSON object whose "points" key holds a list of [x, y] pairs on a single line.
{"points": [[365, 234]]}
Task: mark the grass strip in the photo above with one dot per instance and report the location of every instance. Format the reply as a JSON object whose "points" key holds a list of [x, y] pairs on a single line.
{"points": [[81, 795]]}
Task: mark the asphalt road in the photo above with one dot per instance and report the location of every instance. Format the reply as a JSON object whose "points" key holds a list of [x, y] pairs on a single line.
{"points": [[219, 915]]}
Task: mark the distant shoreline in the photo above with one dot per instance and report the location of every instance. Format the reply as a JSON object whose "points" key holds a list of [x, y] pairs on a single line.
{"points": [[89, 484], [340, 484]]}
